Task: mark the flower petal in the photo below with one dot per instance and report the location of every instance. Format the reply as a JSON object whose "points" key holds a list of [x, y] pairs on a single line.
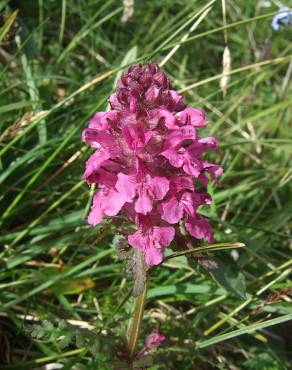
{"points": [[152, 94], [177, 137], [188, 204], [104, 139], [199, 228], [192, 116], [163, 116], [179, 183], [114, 203], [171, 211], [153, 256], [114, 102], [136, 240], [203, 145], [214, 171], [94, 163], [175, 159], [178, 103], [126, 186], [105, 202], [136, 137], [98, 124], [143, 204], [96, 214], [163, 236], [158, 187], [154, 339], [192, 167]]}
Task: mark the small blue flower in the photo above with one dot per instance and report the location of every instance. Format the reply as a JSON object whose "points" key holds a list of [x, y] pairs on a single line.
{"points": [[282, 19]]}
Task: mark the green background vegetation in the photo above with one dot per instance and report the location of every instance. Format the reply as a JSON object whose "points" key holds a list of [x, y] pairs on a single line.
{"points": [[55, 268]]}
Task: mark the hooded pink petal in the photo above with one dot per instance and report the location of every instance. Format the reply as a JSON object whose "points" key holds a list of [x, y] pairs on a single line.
{"points": [[126, 185], [96, 214], [199, 228], [101, 139], [171, 211], [192, 116], [179, 183], [153, 256], [214, 171], [151, 240], [177, 137], [158, 187], [114, 204], [164, 117], [175, 158], [163, 236], [177, 101], [98, 122], [136, 137], [182, 158], [143, 204], [106, 202], [94, 162]]}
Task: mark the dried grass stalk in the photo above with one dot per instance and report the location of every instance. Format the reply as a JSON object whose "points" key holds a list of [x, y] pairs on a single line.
{"points": [[226, 70], [21, 124], [128, 10]]}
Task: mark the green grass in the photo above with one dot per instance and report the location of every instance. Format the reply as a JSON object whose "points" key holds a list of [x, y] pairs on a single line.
{"points": [[59, 62]]}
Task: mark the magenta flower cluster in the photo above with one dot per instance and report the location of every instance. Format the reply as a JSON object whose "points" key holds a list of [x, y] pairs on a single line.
{"points": [[147, 156]]}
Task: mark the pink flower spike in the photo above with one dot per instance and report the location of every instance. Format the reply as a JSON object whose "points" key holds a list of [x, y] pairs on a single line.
{"points": [[146, 161]]}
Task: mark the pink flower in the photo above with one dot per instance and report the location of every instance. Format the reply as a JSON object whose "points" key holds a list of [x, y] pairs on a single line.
{"points": [[173, 209], [155, 339], [147, 155], [106, 202], [192, 116], [151, 240], [143, 188]]}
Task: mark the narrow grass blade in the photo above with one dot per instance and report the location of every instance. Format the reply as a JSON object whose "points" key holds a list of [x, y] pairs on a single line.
{"points": [[247, 330], [7, 25]]}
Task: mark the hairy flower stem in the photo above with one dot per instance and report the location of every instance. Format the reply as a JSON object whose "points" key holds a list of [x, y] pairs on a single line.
{"points": [[136, 322]]}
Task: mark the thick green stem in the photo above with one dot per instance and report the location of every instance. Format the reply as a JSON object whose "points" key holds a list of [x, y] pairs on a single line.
{"points": [[136, 322]]}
